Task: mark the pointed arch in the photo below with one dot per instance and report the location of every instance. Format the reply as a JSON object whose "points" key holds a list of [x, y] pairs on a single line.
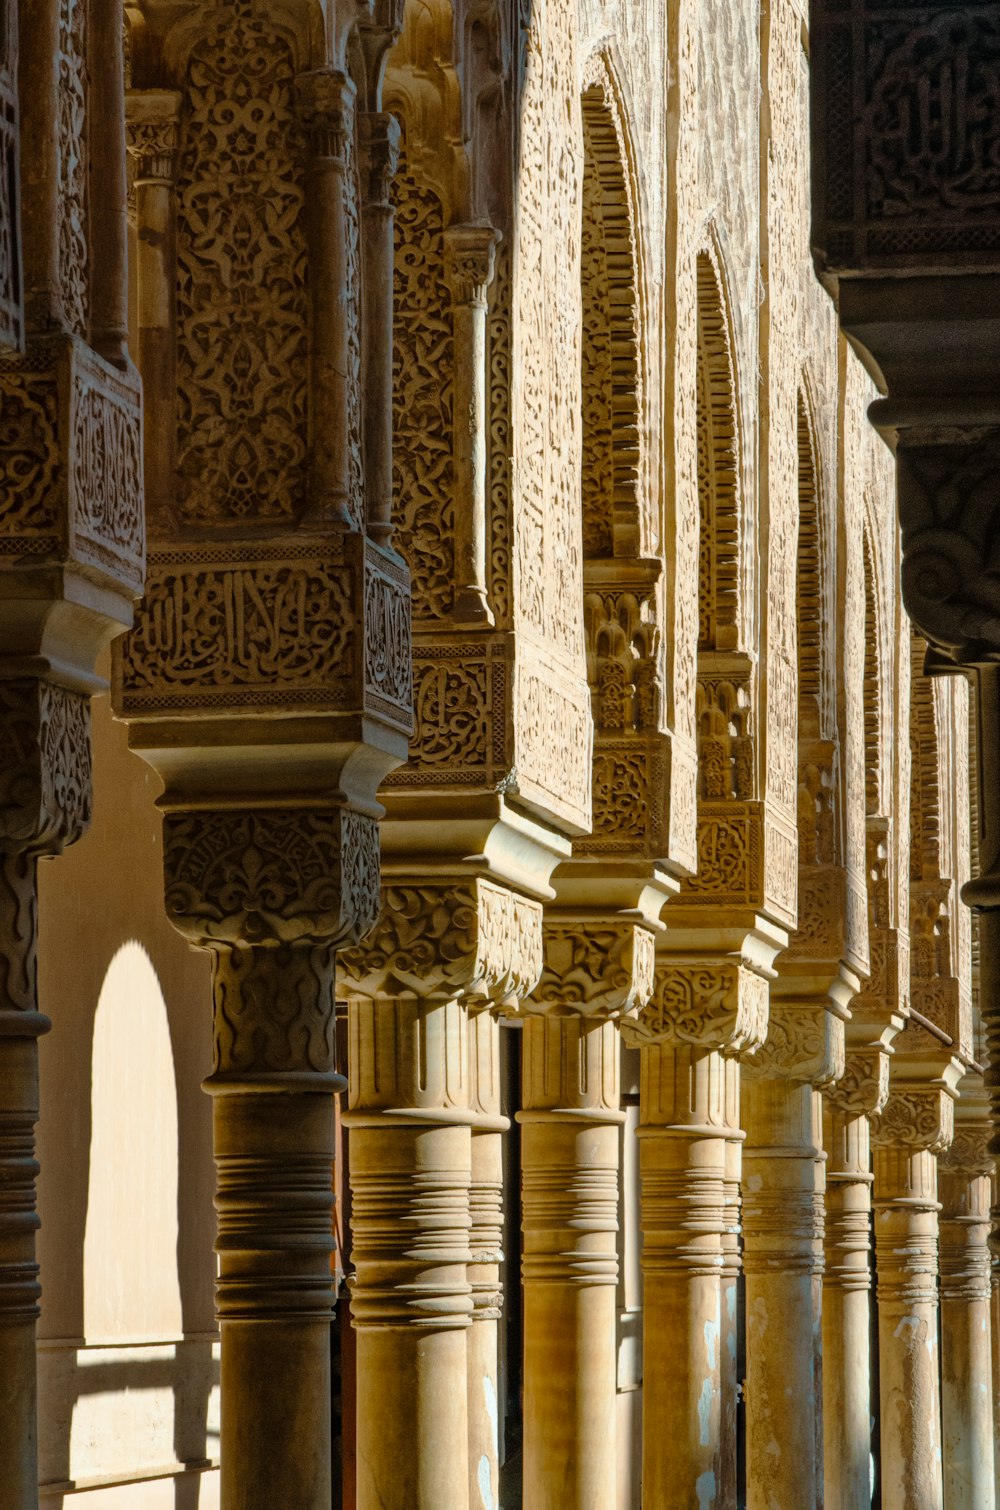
{"points": [[874, 773], [810, 605], [817, 750], [720, 505], [611, 350], [925, 770]]}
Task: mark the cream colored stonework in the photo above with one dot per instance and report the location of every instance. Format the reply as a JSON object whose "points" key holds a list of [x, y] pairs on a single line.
{"points": [[531, 816]]}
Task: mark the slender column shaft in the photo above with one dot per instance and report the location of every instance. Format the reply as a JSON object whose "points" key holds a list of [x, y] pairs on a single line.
{"points": [[470, 271], [274, 1155], [326, 103], [906, 1240], [410, 1173], [485, 1243], [569, 1161], [966, 1354], [19, 1288], [152, 143], [782, 1258], [108, 223], [683, 1161], [995, 1362], [732, 1268], [847, 1313], [380, 145]]}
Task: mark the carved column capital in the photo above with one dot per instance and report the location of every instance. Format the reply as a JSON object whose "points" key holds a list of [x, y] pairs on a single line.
{"points": [[599, 969], [713, 1004], [968, 1154], [380, 139], [325, 100], [271, 875], [914, 1119], [152, 133], [470, 258], [475, 940], [804, 1042], [45, 765], [863, 1088], [271, 892]]}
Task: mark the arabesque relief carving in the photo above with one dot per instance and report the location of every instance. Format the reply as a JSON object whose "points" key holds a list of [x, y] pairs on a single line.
{"points": [[598, 969], [475, 940], [242, 307], [722, 1005]]}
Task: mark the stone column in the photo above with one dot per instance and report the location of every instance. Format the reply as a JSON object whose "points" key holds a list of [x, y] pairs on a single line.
{"points": [[412, 1111], [966, 1331], [326, 108], [783, 1251], [847, 1107], [379, 159], [152, 143], [266, 893], [782, 1230], [915, 1124], [689, 1166], [732, 1268], [486, 1255], [44, 804], [470, 254], [570, 1140]]}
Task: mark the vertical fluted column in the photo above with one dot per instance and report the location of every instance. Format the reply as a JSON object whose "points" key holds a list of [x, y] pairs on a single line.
{"points": [[152, 144], [683, 1168], [732, 1268], [486, 1255], [420, 1076], [966, 1330], [470, 253], [570, 1131], [848, 1105], [379, 158], [699, 1018], [783, 1180], [905, 1138], [594, 972], [782, 1260], [411, 1299], [326, 108], [262, 891]]}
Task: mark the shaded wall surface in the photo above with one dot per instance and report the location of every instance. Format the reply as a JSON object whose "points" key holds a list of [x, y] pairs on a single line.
{"points": [[128, 1358]]}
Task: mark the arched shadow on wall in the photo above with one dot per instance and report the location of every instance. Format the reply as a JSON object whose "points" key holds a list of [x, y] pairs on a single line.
{"points": [[125, 1131]]}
